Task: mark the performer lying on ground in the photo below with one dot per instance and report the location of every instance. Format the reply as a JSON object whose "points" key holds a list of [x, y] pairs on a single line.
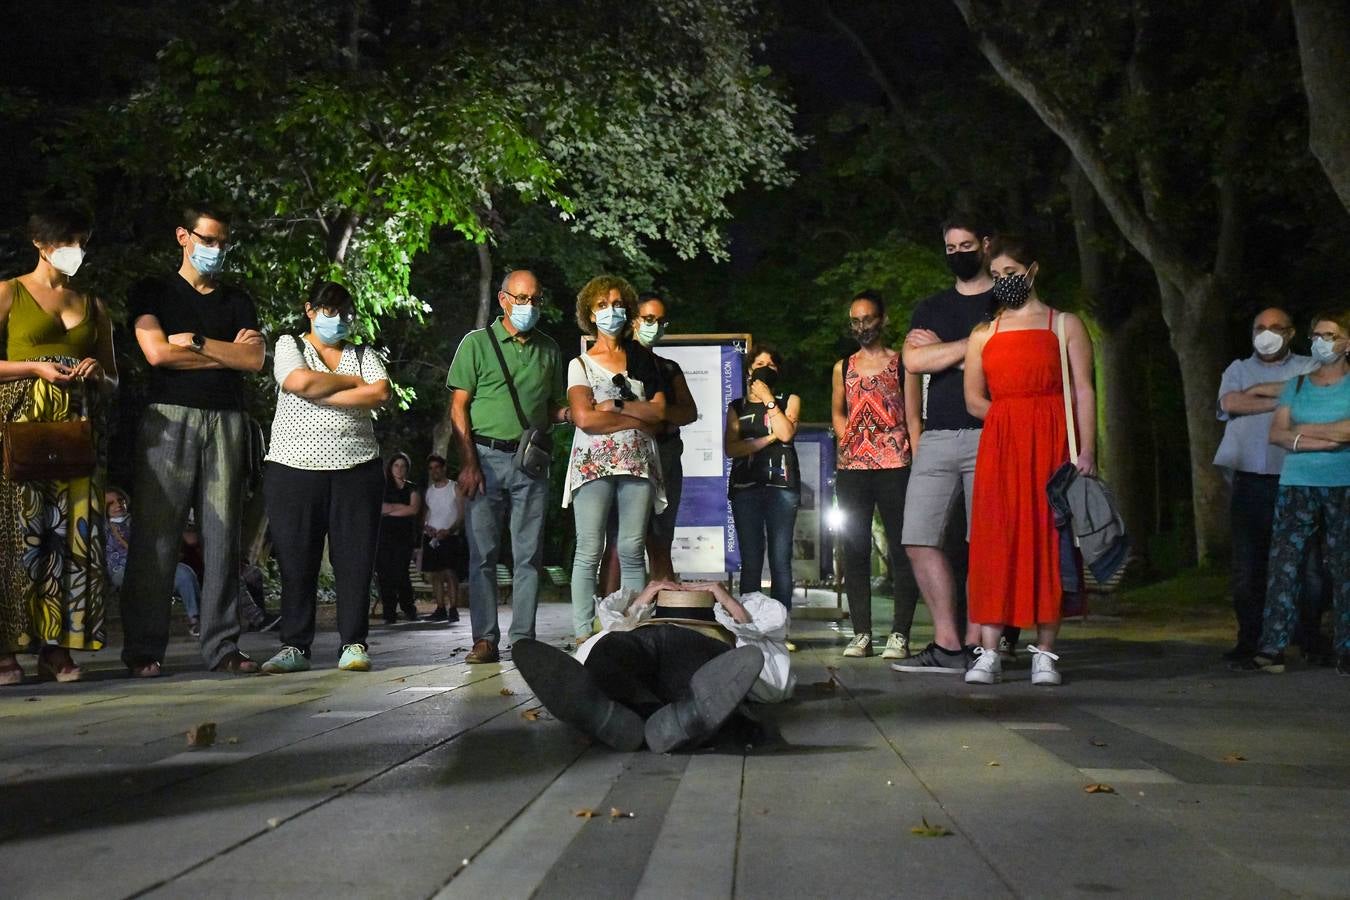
{"points": [[671, 668]]}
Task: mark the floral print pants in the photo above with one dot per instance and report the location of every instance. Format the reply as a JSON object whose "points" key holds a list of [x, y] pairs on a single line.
{"points": [[1303, 515]]}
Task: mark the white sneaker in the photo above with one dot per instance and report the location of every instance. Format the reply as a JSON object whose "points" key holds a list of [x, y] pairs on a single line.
{"points": [[1043, 669], [897, 647], [861, 645], [988, 668]]}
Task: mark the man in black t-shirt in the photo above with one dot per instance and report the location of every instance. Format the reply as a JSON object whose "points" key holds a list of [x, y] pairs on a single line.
{"points": [[944, 453], [199, 336]]}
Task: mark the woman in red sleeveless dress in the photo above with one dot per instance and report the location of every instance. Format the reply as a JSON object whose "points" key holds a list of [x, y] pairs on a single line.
{"points": [[1013, 382]]}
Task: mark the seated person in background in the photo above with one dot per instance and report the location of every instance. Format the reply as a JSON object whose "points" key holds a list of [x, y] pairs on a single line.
{"points": [[670, 669], [186, 580]]}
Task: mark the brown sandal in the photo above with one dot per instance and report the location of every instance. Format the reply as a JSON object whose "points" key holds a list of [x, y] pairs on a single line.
{"points": [[144, 668], [236, 663], [63, 672], [12, 673]]}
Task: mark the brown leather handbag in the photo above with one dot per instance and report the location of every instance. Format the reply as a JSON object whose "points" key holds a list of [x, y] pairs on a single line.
{"points": [[48, 451]]}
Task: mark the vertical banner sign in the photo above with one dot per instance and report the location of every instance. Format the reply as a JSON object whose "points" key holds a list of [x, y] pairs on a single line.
{"points": [[705, 534]]}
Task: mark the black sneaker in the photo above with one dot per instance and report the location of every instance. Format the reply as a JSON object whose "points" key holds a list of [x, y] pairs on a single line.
{"points": [[933, 660], [1343, 665], [437, 615], [452, 616], [1239, 653], [1260, 663]]}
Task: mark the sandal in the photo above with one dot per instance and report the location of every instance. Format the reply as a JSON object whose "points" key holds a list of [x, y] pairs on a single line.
{"points": [[63, 671], [236, 663], [11, 673], [144, 668]]}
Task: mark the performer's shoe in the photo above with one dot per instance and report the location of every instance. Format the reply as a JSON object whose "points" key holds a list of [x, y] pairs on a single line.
{"points": [[570, 693], [715, 691]]}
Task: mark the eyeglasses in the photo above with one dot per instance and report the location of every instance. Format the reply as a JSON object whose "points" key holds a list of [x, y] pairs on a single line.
{"points": [[347, 316], [1278, 329], [537, 300], [653, 320], [625, 389], [207, 240]]}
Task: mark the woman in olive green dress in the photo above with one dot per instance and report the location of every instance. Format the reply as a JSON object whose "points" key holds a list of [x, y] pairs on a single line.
{"points": [[58, 360]]}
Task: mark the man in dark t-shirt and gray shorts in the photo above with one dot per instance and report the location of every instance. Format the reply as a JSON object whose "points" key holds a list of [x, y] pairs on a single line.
{"points": [[944, 455]]}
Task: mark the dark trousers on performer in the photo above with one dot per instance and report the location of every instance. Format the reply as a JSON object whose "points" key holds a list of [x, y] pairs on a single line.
{"points": [[391, 568], [305, 507], [1252, 510], [648, 667], [859, 492]]}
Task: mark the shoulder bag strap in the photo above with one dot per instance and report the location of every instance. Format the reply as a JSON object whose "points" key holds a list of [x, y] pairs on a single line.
{"points": [[1068, 388], [510, 385]]}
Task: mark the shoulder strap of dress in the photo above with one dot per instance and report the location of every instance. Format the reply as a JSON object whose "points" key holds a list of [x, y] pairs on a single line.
{"points": [[997, 320], [1050, 319]]}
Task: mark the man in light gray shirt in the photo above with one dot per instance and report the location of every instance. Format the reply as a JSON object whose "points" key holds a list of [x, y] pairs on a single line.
{"points": [[1247, 398]]}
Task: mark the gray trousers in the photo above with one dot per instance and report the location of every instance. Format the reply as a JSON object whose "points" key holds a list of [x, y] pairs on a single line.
{"points": [[186, 458], [505, 490]]}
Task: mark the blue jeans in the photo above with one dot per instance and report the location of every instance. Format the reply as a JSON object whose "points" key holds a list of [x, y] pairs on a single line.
{"points": [[504, 487], [591, 503], [762, 512], [185, 586]]}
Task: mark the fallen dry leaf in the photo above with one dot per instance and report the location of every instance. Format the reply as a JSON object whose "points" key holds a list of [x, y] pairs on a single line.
{"points": [[203, 735], [1097, 742], [1098, 789], [828, 685], [232, 740], [584, 813], [83, 731], [273, 823], [1234, 758], [616, 813], [401, 680], [507, 692], [31, 699], [532, 714], [993, 764], [929, 830]]}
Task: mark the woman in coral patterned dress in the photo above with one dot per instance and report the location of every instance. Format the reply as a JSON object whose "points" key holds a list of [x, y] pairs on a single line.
{"points": [[1013, 382]]}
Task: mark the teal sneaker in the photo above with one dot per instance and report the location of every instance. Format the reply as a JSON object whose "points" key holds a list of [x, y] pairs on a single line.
{"points": [[354, 658], [287, 660]]}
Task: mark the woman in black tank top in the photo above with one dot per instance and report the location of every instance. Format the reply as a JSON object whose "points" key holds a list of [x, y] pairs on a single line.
{"points": [[765, 483]]}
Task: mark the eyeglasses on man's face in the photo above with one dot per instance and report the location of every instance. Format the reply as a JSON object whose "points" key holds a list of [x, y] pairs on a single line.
{"points": [[537, 299], [210, 240]]}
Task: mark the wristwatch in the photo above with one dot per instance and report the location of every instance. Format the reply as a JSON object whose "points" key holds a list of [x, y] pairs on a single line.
{"points": [[199, 342], [618, 404], [770, 405]]}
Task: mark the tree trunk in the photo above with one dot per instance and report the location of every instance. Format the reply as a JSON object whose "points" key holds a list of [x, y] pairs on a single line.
{"points": [[1191, 319], [484, 285], [1127, 461], [340, 233], [1323, 28]]}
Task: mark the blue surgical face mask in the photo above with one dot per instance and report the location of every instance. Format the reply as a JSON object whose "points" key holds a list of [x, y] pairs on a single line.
{"points": [[1324, 351], [649, 333], [206, 260], [331, 329], [524, 316], [610, 321]]}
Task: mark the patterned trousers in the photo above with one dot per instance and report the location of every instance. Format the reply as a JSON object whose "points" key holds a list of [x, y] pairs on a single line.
{"points": [[1304, 515]]}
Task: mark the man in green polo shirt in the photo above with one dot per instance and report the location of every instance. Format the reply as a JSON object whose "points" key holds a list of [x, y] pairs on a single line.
{"points": [[487, 431]]}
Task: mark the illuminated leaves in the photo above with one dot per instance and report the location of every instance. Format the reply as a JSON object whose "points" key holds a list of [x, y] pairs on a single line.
{"points": [[929, 830]]}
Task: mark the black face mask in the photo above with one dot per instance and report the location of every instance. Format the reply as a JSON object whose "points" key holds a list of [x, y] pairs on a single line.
{"points": [[865, 336], [1012, 291], [965, 264], [766, 374]]}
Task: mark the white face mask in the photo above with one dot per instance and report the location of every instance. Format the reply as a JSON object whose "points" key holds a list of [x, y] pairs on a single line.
{"points": [[1324, 352], [66, 260], [1267, 343]]}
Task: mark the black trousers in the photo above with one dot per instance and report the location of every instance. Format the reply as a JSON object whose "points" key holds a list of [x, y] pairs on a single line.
{"points": [[391, 566], [306, 506], [1252, 512], [860, 491], [648, 667]]}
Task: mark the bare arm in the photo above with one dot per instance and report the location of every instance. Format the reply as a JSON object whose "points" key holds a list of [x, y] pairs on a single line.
{"points": [[1084, 392], [924, 352], [729, 603], [593, 420], [783, 422], [246, 353], [651, 412], [306, 382], [103, 349], [364, 396], [1327, 431], [976, 388], [734, 445], [681, 410], [403, 510], [470, 474], [1259, 398], [838, 415], [17, 371], [164, 355], [914, 408], [1283, 433]]}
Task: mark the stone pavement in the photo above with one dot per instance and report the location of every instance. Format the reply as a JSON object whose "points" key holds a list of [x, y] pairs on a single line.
{"points": [[427, 778]]}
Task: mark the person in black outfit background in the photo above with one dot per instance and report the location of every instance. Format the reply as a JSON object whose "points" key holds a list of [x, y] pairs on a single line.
{"points": [[765, 484], [398, 536]]}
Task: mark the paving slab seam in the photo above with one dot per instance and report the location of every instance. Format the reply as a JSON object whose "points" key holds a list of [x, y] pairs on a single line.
{"points": [[740, 814], [975, 846], [346, 789]]}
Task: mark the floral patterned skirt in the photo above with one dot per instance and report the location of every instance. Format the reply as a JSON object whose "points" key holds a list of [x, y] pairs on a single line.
{"points": [[52, 578]]}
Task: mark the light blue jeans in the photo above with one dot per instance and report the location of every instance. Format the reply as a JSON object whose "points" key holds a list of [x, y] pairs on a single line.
{"points": [[590, 507], [505, 488]]}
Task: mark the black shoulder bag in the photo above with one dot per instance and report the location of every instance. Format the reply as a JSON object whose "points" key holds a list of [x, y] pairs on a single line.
{"points": [[535, 453]]}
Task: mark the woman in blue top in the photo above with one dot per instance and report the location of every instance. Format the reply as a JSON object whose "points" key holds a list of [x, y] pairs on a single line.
{"points": [[1312, 421]]}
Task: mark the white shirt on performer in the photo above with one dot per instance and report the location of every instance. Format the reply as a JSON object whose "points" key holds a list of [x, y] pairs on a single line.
{"points": [[442, 506]]}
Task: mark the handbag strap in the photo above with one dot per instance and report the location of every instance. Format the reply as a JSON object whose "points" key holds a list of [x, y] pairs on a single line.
{"points": [[1068, 388], [510, 384]]}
